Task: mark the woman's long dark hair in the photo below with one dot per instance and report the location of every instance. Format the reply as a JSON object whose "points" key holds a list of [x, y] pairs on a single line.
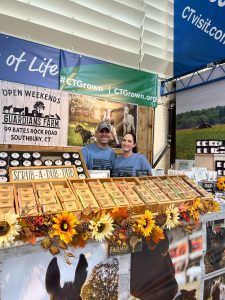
{"points": [[135, 149]]}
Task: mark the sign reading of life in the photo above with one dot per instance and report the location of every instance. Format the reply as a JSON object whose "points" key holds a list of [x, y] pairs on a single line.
{"points": [[39, 173], [42, 68]]}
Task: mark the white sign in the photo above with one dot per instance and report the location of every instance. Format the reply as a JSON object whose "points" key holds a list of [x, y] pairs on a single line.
{"points": [[158, 172], [200, 174], [32, 115], [99, 173], [184, 164]]}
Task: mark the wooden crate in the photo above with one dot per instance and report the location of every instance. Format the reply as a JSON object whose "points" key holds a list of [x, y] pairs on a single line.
{"points": [[47, 198], [8, 206], [24, 192], [48, 153], [68, 199]]}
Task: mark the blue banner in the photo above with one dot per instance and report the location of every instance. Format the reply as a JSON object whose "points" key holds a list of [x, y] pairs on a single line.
{"points": [[199, 34], [29, 63], [34, 64]]}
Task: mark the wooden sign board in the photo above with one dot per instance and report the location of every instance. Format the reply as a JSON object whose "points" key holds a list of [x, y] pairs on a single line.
{"points": [[130, 245], [40, 173], [209, 186], [140, 173]]}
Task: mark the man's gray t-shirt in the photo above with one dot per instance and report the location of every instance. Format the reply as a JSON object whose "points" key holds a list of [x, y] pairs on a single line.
{"points": [[97, 158]]}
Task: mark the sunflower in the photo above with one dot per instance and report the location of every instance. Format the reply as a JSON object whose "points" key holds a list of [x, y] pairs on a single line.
{"points": [[215, 206], [101, 228], [221, 183], [194, 213], [211, 206], [64, 226], [197, 204], [172, 217], [195, 209], [9, 228], [146, 223]]}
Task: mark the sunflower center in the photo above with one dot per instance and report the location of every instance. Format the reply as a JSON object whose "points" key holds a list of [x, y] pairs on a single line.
{"points": [[64, 226], [4, 228], [101, 227], [145, 223]]}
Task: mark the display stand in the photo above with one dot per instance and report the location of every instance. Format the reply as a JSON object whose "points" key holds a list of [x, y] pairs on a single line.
{"points": [[213, 258], [87, 200]]}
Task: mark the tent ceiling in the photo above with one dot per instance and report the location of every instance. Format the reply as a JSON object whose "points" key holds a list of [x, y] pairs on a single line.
{"points": [[133, 33]]}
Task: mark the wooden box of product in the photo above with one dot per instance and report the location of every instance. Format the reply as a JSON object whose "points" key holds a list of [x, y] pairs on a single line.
{"points": [[92, 193], [26, 198], [46, 196], [100, 193], [126, 186], [115, 193], [197, 188], [68, 199], [172, 190], [104, 192], [150, 202], [8, 201], [83, 192]]}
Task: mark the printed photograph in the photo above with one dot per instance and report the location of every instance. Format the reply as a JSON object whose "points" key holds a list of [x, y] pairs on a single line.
{"points": [[200, 115], [214, 259], [85, 112], [88, 275], [214, 288]]}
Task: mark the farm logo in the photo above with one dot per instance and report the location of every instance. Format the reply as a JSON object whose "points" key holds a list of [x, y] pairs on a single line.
{"points": [[23, 116]]}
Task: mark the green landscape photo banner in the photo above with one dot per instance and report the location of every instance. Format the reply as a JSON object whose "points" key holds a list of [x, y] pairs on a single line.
{"points": [[84, 75], [200, 115]]}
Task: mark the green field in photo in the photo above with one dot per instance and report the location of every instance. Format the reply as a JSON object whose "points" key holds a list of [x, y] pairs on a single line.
{"points": [[186, 139]]}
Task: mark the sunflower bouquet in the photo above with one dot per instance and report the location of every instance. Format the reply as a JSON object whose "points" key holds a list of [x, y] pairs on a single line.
{"points": [[221, 183], [146, 226]]}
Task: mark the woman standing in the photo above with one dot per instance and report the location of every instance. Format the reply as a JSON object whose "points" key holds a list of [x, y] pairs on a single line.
{"points": [[152, 275], [131, 163]]}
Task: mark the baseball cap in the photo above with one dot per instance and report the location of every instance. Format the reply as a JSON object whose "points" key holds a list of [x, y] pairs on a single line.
{"points": [[104, 125]]}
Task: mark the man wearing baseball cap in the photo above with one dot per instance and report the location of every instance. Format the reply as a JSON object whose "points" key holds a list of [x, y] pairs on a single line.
{"points": [[99, 156]]}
